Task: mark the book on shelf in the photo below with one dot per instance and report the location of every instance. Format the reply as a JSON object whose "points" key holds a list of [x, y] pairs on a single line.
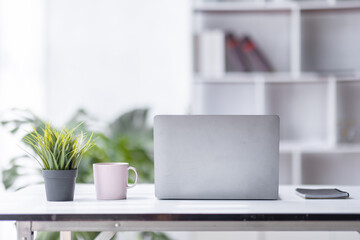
{"points": [[211, 53], [236, 61], [258, 61]]}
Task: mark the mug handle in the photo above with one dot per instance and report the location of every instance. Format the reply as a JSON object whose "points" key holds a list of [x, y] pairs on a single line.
{"points": [[136, 177]]}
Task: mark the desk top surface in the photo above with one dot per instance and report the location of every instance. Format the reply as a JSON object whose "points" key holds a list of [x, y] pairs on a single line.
{"points": [[31, 204]]}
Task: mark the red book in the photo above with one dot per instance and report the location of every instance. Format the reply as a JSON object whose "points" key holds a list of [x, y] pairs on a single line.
{"points": [[257, 59], [236, 60]]}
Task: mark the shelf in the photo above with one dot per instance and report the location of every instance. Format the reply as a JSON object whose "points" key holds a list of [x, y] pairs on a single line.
{"points": [[265, 77], [317, 147], [313, 41], [277, 77], [330, 169], [329, 5], [274, 6], [354, 78], [241, 6]]}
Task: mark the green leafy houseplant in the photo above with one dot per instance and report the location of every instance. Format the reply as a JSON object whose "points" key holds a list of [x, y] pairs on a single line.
{"points": [[58, 150], [60, 153], [128, 138]]}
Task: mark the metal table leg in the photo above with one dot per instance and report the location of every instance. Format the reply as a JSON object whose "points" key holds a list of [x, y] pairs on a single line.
{"points": [[105, 235], [65, 235], [24, 231]]}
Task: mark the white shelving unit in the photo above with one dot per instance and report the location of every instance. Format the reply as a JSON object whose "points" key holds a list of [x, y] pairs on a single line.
{"points": [[315, 88]]}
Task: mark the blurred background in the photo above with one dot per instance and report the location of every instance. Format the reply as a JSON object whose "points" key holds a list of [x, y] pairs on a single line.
{"points": [[297, 59]]}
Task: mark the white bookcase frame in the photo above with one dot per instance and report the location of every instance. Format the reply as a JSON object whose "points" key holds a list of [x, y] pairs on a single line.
{"points": [[293, 152]]}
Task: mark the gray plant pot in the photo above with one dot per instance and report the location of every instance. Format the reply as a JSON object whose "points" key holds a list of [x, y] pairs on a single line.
{"points": [[60, 184]]}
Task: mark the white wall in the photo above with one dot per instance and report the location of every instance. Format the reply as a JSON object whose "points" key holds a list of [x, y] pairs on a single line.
{"points": [[109, 56], [21, 64], [21, 72], [22, 54]]}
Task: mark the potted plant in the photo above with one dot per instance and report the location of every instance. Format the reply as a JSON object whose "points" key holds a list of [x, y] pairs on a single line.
{"points": [[59, 153], [128, 138]]}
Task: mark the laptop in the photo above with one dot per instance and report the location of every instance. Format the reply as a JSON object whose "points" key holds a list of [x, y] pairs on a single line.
{"points": [[216, 156]]}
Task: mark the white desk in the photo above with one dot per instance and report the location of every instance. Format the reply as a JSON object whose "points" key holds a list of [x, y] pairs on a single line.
{"points": [[143, 212]]}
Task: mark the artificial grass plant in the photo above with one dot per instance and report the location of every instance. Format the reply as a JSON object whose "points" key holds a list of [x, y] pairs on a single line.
{"points": [[58, 149]]}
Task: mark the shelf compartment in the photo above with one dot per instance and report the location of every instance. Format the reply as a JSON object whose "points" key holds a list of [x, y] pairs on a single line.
{"points": [[331, 169], [302, 108], [224, 98], [259, 26], [285, 168], [330, 40], [348, 111]]}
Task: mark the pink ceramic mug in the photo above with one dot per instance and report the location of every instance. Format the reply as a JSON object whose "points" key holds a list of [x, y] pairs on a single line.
{"points": [[111, 180]]}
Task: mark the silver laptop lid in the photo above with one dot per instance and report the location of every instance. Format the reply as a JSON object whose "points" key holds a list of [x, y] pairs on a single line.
{"points": [[216, 157]]}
